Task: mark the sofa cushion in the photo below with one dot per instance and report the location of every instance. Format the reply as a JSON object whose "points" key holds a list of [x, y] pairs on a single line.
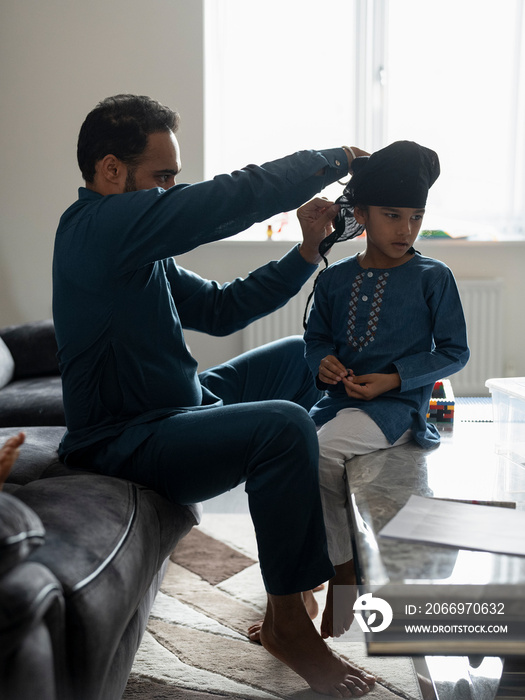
{"points": [[32, 401], [33, 347], [7, 365], [100, 527], [21, 530], [87, 519]]}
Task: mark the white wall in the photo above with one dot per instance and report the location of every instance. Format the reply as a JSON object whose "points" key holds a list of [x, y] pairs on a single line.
{"points": [[58, 58]]}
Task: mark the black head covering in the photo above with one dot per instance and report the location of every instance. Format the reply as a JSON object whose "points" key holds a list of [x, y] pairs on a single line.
{"points": [[399, 175]]}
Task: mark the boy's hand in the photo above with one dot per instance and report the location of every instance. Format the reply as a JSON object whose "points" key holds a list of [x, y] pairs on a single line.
{"points": [[368, 386], [316, 219], [331, 371]]}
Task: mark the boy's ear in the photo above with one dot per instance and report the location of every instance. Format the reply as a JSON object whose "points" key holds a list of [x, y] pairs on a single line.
{"points": [[360, 215]]}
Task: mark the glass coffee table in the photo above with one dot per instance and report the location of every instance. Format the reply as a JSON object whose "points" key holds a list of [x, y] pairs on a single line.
{"points": [[469, 605]]}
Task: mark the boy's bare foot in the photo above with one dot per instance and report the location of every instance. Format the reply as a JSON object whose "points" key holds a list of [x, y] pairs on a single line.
{"points": [[8, 455], [254, 631], [288, 634], [335, 623], [310, 603]]}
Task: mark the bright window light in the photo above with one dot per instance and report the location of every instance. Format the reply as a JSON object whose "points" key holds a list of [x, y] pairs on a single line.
{"points": [[287, 75], [455, 83]]}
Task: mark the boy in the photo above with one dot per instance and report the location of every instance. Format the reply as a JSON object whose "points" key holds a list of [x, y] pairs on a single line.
{"points": [[386, 324]]}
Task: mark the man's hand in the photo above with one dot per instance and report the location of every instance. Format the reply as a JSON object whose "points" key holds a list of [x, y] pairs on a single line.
{"points": [[368, 386], [316, 219], [331, 371], [354, 151]]}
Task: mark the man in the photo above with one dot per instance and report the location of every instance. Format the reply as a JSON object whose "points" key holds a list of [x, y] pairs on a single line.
{"points": [[135, 406]]}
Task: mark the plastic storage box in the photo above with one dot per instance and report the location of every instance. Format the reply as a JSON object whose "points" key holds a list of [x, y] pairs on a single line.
{"points": [[508, 407]]}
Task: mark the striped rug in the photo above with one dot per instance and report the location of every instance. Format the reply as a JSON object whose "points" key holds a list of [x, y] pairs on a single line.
{"points": [[196, 646]]}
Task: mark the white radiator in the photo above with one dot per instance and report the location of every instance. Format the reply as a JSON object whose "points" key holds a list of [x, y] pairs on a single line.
{"points": [[482, 304]]}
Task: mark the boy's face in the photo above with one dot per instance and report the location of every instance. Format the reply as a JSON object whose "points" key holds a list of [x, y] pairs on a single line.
{"points": [[390, 232]]}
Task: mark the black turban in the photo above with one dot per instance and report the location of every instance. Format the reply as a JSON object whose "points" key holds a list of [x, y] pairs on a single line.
{"points": [[399, 175]]}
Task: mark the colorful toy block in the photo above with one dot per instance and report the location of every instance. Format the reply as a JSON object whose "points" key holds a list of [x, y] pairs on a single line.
{"points": [[441, 408]]}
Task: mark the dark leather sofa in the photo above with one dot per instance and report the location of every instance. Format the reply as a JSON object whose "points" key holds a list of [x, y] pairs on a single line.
{"points": [[30, 386], [81, 555]]}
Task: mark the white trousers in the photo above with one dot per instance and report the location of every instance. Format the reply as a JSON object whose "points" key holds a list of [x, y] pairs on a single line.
{"points": [[352, 432]]}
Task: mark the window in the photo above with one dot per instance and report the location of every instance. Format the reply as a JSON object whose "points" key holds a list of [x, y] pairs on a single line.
{"points": [[450, 74]]}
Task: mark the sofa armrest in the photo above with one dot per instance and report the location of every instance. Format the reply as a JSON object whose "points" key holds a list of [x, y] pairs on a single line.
{"points": [[32, 611], [32, 635], [21, 530]]}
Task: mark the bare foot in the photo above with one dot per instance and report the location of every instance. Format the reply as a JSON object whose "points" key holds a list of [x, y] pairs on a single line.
{"points": [[335, 623], [310, 603], [254, 631], [288, 634], [8, 455]]}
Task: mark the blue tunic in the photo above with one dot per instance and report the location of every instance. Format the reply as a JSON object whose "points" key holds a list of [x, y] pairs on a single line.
{"points": [[406, 319], [120, 302]]}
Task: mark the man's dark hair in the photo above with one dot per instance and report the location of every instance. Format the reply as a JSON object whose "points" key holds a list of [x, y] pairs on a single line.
{"points": [[120, 125]]}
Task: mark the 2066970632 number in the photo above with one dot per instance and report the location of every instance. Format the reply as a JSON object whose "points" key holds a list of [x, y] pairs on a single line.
{"points": [[460, 608]]}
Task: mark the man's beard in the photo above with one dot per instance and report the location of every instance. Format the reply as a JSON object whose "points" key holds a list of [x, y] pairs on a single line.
{"points": [[130, 185]]}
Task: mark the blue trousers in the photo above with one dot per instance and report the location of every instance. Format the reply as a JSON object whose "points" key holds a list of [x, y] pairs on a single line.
{"points": [[261, 436]]}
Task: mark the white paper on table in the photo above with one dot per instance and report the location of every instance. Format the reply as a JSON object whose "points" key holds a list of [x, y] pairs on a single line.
{"points": [[461, 525]]}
